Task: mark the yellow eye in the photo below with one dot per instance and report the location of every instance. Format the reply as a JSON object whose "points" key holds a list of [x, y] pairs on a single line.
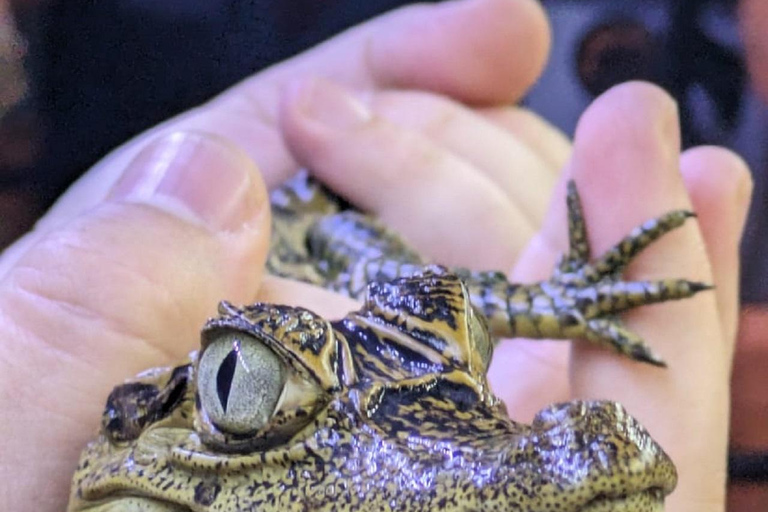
{"points": [[240, 381]]}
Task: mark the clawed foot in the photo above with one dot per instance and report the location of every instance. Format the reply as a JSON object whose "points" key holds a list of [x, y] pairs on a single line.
{"points": [[587, 297]]}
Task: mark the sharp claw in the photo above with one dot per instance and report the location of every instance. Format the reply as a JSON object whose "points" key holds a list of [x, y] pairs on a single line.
{"points": [[658, 363], [646, 356], [595, 291], [700, 287]]}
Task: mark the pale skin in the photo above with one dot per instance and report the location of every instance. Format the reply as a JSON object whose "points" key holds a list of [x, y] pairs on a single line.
{"points": [[116, 278]]}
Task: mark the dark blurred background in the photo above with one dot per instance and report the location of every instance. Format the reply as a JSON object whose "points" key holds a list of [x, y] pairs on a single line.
{"points": [[79, 77]]}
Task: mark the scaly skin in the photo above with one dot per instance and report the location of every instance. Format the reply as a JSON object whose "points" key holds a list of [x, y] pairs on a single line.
{"points": [[388, 408]]}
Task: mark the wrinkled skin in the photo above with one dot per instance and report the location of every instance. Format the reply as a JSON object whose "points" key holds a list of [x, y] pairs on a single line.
{"points": [[388, 408]]}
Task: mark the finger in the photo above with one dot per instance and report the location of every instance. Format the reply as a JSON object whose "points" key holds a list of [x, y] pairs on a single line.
{"points": [[418, 47], [625, 160], [720, 187], [430, 43], [425, 193], [515, 168], [544, 139], [124, 287]]}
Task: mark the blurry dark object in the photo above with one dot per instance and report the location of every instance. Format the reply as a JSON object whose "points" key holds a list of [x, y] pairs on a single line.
{"points": [[615, 52], [19, 136], [691, 48], [748, 467], [19, 147], [705, 70], [748, 461], [19, 209], [20, 139], [749, 400], [13, 83]]}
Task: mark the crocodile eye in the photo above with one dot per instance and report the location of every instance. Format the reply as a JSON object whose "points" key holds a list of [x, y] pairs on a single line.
{"points": [[240, 382]]}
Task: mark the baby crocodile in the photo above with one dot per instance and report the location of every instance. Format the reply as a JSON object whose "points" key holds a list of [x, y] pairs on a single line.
{"points": [[388, 408]]}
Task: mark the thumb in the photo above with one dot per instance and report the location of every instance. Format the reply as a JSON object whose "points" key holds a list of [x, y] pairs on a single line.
{"points": [[124, 286]]}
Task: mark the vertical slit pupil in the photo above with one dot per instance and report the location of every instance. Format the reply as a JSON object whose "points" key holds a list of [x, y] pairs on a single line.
{"points": [[224, 378]]}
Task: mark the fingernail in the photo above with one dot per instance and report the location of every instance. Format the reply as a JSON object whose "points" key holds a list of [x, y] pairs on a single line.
{"points": [[329, 105], [195, 176]]}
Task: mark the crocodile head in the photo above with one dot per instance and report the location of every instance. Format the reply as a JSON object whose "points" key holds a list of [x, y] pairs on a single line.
{"points": [[386, 409]]}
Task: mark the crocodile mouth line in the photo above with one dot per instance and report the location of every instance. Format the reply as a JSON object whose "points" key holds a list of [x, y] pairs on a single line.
{"points": [[127, 502], [650, 500]]}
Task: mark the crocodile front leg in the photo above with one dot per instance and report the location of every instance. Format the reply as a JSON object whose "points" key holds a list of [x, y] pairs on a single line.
{"points": [[582, 299]]}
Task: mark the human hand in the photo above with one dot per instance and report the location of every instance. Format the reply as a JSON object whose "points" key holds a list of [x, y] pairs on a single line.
{"points": [[221, 268], [121, 273]]}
